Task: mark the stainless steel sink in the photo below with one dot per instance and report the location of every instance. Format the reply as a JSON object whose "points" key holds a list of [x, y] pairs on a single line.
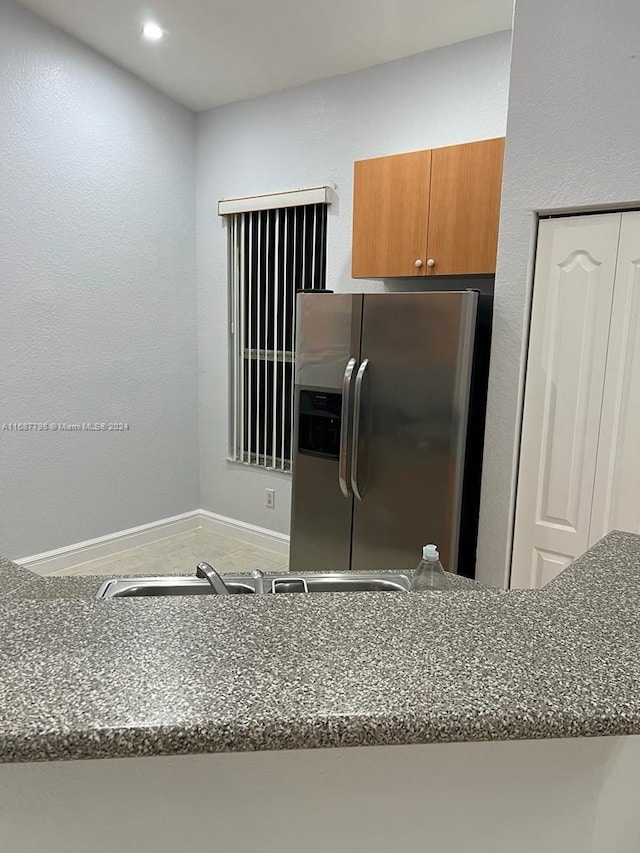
{"points": [[348, 583], [165, 585], [246, 585]]}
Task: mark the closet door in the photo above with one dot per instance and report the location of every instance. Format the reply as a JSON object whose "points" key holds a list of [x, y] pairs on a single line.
{"points": [[616, 497], [572, 299]]}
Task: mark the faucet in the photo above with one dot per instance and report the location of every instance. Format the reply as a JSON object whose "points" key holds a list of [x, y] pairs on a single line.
{"points": [[258, 577], [204, 570]]}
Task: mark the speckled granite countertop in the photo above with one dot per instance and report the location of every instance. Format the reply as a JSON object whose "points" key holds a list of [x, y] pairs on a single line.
{"points": [[18, 584], [91, 679]]}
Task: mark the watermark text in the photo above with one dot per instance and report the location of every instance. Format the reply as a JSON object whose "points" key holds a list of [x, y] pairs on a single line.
{"points": [[62, 426]]}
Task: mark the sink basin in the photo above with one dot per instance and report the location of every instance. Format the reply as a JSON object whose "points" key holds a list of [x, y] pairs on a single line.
{"points": [[246, 585], [165, 585], [347, 583]]}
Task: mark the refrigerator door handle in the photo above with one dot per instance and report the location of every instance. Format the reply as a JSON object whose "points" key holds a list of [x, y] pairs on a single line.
{"points": [[343, 459], [355, 443]]}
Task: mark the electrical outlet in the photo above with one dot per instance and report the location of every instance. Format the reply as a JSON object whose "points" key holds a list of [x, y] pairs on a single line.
{"points": [[270, 498]]}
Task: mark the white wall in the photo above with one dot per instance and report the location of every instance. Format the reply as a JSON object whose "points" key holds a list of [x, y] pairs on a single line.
{"points": [[562, 796], [305, 137], [572, 141], [97, 271]]}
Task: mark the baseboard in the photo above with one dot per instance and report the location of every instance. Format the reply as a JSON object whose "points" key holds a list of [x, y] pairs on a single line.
{"points": [[261, 536], [122, 540], [104, 546]]}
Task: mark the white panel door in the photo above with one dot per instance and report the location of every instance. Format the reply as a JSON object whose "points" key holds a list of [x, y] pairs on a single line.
{"points": [[572, 300], [616, 497]]}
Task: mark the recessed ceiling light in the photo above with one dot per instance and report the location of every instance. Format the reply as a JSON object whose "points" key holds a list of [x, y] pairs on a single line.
{"points": [[152, 31]]}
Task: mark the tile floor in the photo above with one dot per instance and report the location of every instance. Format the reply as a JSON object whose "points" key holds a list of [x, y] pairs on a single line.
{"points": [[179, 554]]}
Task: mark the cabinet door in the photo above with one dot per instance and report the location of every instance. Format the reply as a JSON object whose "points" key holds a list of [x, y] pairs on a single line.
{"points": [[390, 214], [571, 311], [464, 208], [616, 497]]}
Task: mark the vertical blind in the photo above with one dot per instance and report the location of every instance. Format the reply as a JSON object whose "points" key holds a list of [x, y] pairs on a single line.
{"points": [[272, 254]]}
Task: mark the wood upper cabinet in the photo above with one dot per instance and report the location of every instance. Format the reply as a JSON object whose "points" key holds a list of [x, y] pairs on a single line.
{"points": [[464, 208], [431, 212], [390, 214]]}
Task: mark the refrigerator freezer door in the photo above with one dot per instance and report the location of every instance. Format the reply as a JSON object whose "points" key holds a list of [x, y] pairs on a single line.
{"points": [[412, 426], [327, 347], [327, 336]]}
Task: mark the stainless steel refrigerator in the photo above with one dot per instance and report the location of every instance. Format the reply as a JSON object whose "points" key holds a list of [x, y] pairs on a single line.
{"points": [[382, 390]]}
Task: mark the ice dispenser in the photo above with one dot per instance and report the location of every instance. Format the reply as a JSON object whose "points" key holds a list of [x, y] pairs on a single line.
{"points": [[319, 425]]}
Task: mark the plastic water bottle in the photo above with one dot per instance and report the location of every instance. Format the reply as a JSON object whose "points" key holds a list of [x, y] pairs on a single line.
{"points": [[429, 575]]}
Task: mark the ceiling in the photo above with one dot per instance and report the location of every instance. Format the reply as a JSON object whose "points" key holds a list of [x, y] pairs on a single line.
{"points": [[218, 51]]}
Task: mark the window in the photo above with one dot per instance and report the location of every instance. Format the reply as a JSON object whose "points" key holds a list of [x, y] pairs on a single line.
{"points": [[273, 253]]}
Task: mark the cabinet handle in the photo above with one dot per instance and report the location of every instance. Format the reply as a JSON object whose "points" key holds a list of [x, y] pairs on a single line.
{"points": [[418, 263], [431, 262]]}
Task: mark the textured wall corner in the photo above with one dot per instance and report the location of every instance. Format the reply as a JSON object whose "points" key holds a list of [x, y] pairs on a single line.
{"points": [[97, 268]]}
